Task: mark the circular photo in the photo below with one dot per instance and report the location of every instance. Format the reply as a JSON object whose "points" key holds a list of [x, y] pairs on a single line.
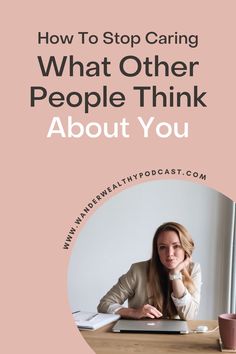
{"points": [[156, 252]]}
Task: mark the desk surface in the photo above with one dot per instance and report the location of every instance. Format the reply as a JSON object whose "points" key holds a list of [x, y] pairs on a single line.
{"points": [[103, 341]]}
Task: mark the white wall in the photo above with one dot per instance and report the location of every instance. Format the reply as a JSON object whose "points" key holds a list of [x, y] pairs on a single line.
{"points": [[120, 232]]}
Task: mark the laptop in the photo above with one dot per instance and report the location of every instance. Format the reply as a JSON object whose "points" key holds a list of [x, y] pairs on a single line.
{"points": [[151, 326]]}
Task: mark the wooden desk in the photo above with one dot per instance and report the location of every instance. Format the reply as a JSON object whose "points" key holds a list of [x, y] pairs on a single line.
{"points": [[103, 341]]}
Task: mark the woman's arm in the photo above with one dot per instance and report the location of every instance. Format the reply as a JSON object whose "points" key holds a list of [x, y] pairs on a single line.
{"points": [[175, 276], [187, 304], [118, 294], [125, 289]]}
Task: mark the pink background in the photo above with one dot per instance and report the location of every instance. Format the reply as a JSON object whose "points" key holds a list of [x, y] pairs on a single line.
{"points": [[47, 182]]}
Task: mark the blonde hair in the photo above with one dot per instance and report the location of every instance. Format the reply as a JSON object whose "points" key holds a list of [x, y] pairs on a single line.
{"points": [[158, 280]]}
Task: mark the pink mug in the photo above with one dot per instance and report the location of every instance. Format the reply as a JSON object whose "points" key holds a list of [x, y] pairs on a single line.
{"points": [[227, 328]]}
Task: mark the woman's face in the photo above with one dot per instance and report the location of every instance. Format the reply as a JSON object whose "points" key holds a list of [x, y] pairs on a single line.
{"points": [[169, 248]]}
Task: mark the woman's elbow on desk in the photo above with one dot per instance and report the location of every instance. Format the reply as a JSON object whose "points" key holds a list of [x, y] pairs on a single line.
{"points": [[188, 314]]}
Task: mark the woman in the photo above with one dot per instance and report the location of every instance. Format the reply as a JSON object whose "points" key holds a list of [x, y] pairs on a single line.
{"points": [[168, 285]]}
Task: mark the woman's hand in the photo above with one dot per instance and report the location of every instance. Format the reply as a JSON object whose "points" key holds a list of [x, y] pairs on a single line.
{"points": [[181, 265], [142, 312], [148, 311]]}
